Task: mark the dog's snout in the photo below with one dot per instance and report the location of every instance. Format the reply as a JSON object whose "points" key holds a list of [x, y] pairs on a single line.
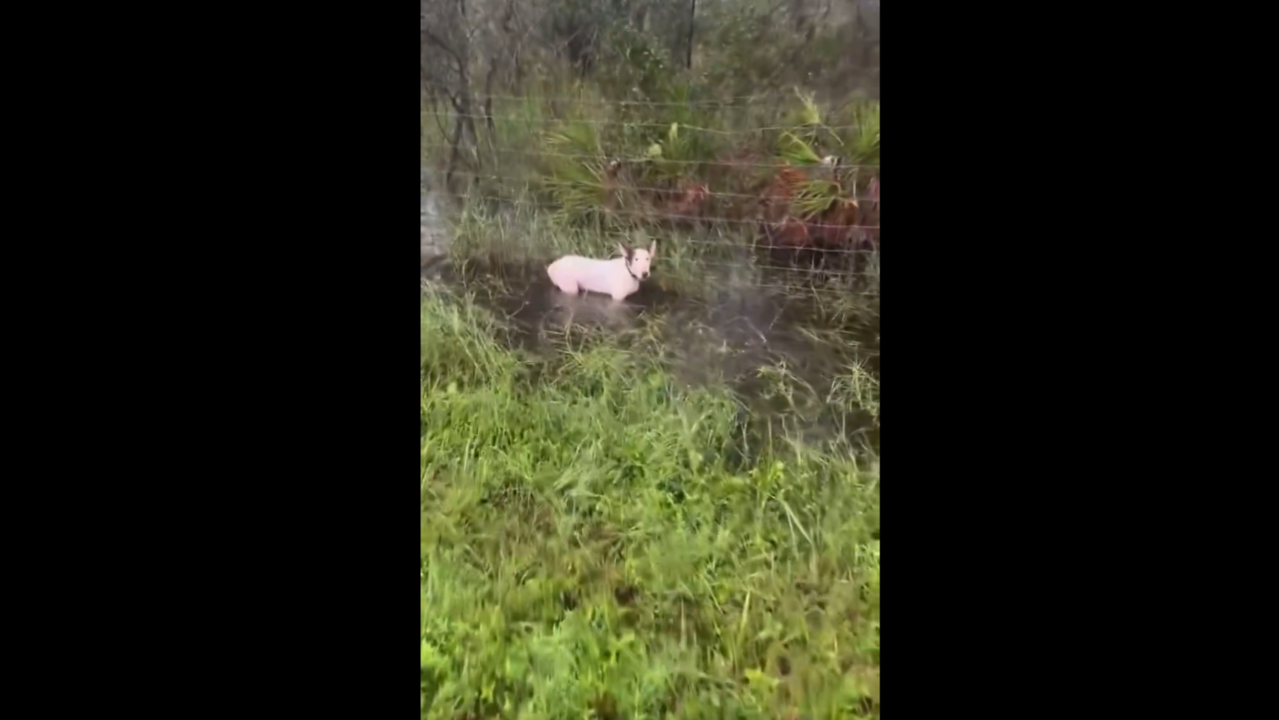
{"points": [[645, 275]]}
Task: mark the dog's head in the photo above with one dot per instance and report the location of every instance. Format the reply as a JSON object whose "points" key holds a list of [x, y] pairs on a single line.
{"points": [[638, 260]]}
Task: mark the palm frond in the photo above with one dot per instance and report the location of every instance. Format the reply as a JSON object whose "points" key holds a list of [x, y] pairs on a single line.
{"points": [[797, 151]]}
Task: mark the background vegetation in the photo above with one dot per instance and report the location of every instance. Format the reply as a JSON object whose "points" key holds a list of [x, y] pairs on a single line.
{"points": [[600, 536]]}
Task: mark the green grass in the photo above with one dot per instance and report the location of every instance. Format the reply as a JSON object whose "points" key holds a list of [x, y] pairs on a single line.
{"points": [[598, 540]]}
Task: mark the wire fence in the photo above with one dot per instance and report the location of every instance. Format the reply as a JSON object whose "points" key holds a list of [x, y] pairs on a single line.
{"points": [[656, 214], [642, 188], [717, 201], [644, 158], [608, 122], [735, 101]]}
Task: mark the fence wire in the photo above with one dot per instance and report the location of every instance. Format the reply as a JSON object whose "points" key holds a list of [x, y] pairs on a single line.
{"points": [[602, 122], [655, 214], [777, 214], [518, 180], [640, 158], [735, 101]]}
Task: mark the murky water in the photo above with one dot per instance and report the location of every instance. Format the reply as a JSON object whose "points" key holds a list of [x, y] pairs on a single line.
{"points": [[745, 336]]}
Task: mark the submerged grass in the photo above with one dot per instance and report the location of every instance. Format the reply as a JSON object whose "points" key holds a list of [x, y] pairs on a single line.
{"points": [[598, 540]]}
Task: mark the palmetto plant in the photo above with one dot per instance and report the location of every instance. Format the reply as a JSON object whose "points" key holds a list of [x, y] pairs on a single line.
{"points": [[674, 155], [579, 176], [820, 187], [861, 140], [835, 179]]}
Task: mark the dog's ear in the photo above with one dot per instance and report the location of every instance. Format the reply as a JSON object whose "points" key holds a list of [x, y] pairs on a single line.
{"points": [[652, 248], [625, 251]]}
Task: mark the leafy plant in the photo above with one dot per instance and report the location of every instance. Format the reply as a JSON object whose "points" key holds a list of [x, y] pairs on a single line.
{"points": [[861, 141], [576, 169]]}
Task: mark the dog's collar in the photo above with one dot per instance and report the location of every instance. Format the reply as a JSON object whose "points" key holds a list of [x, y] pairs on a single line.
{"points": [[628, 271]]}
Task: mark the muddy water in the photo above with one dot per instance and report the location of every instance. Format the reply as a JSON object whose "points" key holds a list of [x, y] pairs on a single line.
{"points": [[738, 335]]}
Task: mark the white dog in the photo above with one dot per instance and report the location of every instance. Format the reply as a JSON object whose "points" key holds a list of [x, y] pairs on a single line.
{"points": [[619, 277]]}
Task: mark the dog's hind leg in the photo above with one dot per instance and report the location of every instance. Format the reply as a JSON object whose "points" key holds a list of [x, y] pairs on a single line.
{"points": [[568, 286], [563, 281]]}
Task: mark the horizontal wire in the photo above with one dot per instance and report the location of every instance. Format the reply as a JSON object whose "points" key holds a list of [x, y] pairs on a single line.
{"points": [[761, 246], [758, 246], [842, 291], [800, 270], [749, 266], [731, 101], [673, 216], [682, 126], [812, 276], [709, 193], [725, 163], [805, 290]]}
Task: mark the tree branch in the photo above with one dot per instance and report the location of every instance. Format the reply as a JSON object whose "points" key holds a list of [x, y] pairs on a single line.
{"points": [[437, 42]]}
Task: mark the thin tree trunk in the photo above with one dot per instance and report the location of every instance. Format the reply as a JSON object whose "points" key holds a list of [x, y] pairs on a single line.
{"points": [[692, 18]]}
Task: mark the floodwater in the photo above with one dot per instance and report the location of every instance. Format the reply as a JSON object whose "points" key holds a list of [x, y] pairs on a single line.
{"points": [[743, 335], [746, 337]]}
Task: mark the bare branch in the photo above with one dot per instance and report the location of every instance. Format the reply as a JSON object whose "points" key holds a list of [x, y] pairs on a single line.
{"points": [[437, 42]]}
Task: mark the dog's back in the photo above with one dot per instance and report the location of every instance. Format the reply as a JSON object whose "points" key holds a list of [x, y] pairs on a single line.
{"points": [[565, 271], [574, 273]]}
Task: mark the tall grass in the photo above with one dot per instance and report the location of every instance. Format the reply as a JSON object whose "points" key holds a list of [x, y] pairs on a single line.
{"points": [[598, 540]]}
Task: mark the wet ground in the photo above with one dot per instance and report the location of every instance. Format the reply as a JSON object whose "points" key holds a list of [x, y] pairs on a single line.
{"points": [[735, 332], [746, 336]]}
